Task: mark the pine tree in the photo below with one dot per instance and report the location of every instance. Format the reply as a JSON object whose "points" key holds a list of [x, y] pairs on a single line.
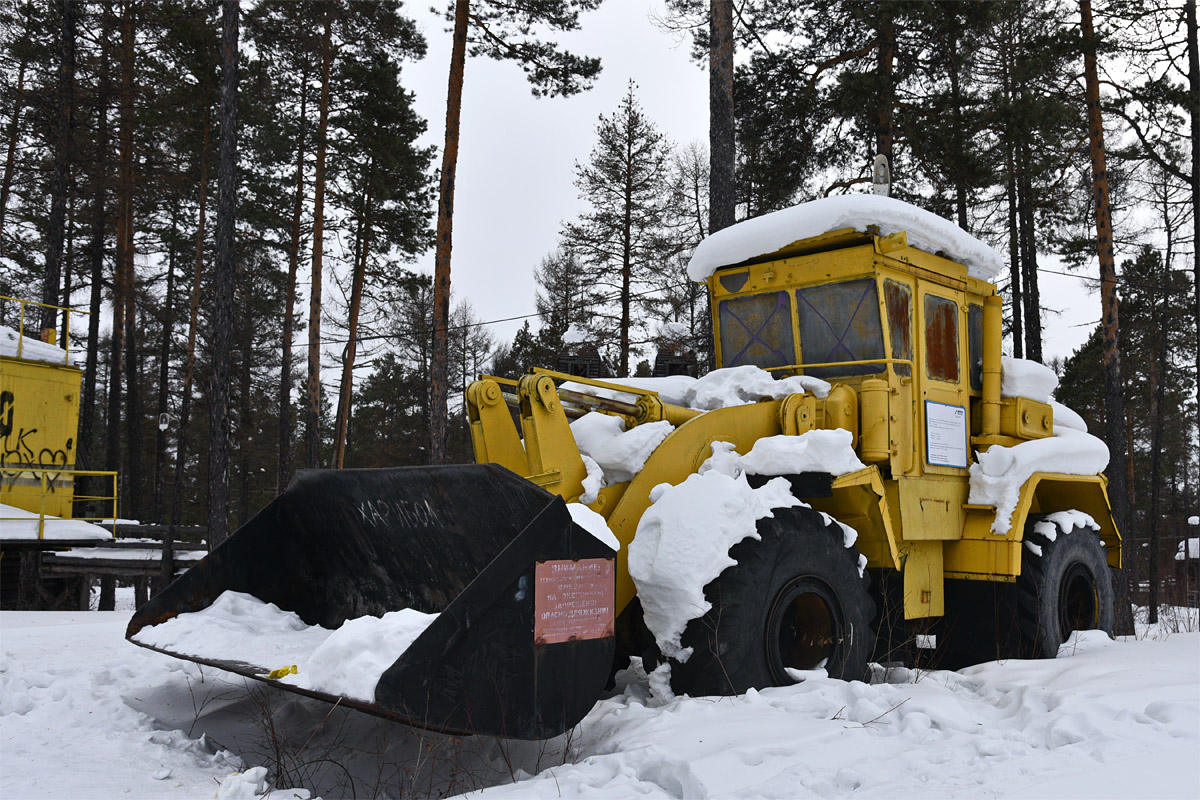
{"points": [[619, 239], [501, 31]]}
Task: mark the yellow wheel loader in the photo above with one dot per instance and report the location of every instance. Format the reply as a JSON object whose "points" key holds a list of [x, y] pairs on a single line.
{"points": [[533, 610]]}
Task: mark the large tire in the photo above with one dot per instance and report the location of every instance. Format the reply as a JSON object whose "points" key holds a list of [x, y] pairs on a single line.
{"points": [[1066, 588], [794, 599]]}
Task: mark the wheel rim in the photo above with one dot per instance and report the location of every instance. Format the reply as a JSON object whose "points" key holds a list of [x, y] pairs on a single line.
{"points": [[1078, 601], [803, 629]]}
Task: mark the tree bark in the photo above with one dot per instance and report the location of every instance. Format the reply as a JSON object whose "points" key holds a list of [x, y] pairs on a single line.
{"points": [[722, 191], [286, 422], [885, 61], [185, 402], [1113, 387], [14, 130], [164, 373], [87, 414], [62, 165], [1028, 240], [627, 249], [439, 369], [1193, 51], [312, 415], [341, 432], [125, 259], [124, 255], [222, 316]]}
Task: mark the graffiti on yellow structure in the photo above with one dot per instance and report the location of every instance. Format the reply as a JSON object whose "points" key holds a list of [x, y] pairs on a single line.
{"points": [[39, 416]]}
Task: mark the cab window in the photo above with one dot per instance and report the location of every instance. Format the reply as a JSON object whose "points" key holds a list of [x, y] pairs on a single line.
{"points": [[840, 322], [757, 330], [898, 299], [941, 338]]}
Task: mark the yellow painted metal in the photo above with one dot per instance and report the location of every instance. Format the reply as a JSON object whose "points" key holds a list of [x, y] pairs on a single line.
{"points": [[1046, 492], [549, 445], [39, 419], [924, 587], [931, 507], [860, 500], [493, 433], [1024, 418], [876, 439], [993, 309]]}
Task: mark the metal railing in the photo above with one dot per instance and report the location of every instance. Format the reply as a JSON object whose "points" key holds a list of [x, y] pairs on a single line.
{"points": [[66, 346], [47, 477]]}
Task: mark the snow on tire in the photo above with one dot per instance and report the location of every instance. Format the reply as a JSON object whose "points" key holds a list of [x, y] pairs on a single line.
{"points": [[1065, 585], [794, 601]]}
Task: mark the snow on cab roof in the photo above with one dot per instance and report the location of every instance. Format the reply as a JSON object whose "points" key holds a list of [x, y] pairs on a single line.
{"points": [[771, 232]]}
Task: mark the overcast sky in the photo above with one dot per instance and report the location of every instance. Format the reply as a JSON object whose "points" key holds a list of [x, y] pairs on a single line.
{"points": [[517, 155]]}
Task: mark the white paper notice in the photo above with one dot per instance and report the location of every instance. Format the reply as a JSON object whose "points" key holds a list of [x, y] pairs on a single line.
{"points": [[945, 434]]}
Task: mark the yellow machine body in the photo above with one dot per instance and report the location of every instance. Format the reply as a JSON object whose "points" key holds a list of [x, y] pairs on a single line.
{"points": [[913, 357], [39, 417]]}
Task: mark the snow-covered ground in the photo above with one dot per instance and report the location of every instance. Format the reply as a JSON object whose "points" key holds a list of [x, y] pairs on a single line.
{"points": [[85, 714]]}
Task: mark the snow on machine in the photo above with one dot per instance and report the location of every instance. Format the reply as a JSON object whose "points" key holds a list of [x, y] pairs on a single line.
{"points": [[862, 466]]}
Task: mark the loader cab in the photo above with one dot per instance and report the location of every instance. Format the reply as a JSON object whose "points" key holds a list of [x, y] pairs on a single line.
{"points": [[851, 307]]}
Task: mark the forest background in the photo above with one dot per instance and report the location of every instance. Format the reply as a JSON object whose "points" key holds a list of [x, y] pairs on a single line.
{"points": [[110, 119]]}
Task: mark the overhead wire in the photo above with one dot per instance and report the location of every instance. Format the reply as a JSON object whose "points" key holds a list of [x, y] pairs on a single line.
{"points": [[682, 284]]}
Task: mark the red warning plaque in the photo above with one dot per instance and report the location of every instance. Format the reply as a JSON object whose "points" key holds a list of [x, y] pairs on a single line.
{"points": [[574, 600]]}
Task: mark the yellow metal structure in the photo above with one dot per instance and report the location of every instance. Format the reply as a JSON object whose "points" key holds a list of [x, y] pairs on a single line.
{"points": [[920, 404], [39, 420]]}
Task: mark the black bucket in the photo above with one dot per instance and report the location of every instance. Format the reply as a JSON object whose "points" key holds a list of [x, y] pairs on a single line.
{"points": [[513, 651]]}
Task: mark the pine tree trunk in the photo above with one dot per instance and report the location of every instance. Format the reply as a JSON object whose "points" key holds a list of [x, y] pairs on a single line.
{"points": [[14, 130], [1193, 51], [1014, 260], [312, 414], [245, 428], [62, 166], [164, 373], [341, 432], [722, 191], [68, 264], [133, 388], [87, 415], [885, 64], [1113, 386], [1158, 379], [1028, 239], [222, 311], [960, 183], [125, 259], [438, 368], [124, 256], [185, 402], [284, 473]]}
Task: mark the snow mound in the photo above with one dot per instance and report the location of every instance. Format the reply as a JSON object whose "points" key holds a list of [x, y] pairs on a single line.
{"points": [[620, 454], [19, 524], [1020, 377], [594, 524], [32, 349], [739, 386], [240, 627], [998, 474], [683, 540], [814, 451], [774, 231], [670, 389], [1067, 417], [1059, 522], [682, 543]]}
